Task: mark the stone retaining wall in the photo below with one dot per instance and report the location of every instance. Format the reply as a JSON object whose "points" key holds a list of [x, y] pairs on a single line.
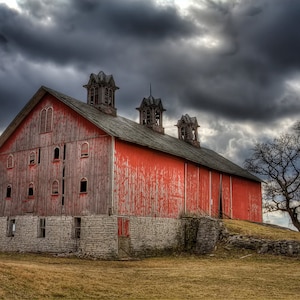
{"points": [[201, 234], [280, 247]]}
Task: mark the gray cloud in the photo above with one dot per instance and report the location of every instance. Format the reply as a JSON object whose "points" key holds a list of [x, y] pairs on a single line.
{"points": [[226, 62]]}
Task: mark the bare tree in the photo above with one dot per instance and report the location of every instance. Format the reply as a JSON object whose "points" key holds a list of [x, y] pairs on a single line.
{"points": [[278, 163]]}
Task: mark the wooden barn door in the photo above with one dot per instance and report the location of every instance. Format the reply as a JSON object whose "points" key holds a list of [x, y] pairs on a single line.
{"points": [[123, 237]]}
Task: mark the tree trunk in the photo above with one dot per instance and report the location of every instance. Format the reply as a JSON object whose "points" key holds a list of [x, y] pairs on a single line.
{"points": [[294, 218]]}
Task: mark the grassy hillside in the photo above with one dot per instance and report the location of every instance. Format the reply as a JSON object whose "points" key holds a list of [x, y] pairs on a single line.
{"points": [[261, 230], [252, 276]]}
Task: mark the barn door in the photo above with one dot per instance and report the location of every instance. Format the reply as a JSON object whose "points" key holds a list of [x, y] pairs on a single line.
{"points": [[123, 237]]}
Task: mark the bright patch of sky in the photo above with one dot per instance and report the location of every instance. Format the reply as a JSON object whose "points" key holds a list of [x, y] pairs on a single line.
{"points": [[11, 3]]}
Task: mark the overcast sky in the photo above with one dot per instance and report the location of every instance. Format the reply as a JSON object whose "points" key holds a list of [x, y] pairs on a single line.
{"points": [[235, 65]]}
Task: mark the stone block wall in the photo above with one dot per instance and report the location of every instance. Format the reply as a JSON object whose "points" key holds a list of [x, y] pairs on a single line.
{"points": [[147, 236], [150, 235], [98, 235], [26, 236], [279, 247], [201, 234]]}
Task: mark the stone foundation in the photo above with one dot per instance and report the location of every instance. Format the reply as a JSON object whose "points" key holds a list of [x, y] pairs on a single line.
{"points": [[201, 234], [151, 236], [97, 235]]}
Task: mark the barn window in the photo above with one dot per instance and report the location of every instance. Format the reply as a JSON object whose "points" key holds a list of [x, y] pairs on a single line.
{"points": [[85, 150], [56, 153], [30, 190], [11, 227], [49, 119], [55, 187], [42, 228], [8, 191], [46, 119], [32, 158], [43, 120], [10, 161], [83, 185], [77, 228]]}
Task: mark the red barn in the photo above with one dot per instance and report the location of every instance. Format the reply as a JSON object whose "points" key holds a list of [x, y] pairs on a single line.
{"points": [[77, 177]]}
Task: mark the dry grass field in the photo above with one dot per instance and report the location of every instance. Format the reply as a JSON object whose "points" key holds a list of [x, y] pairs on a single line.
{"points": [[258, 230], [224, 275]]}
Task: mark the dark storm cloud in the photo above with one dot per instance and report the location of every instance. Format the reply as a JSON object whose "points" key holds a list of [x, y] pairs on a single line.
{"points": [[137, 19], [242, 76], [89, 35], [85, 30], [259, 51], [275, 34]]}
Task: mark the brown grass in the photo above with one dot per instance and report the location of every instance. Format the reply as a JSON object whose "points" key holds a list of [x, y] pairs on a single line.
{"points": [[261, 230], [242, 275], [234, 274]]}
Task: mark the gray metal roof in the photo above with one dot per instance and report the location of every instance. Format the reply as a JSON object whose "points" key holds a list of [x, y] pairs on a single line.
{"points": [[132, 132]]}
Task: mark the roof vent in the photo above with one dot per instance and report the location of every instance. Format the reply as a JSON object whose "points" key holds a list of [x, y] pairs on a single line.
{"points": [[101, 92], [151, 113], [188, 130]]}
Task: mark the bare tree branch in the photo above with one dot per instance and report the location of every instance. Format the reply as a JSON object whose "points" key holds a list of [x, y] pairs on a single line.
{"points": [[278, 162]]}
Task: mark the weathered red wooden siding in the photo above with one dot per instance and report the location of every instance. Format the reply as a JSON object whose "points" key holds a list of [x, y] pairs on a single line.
{"points": [[246, 199], [204, 205], [148, 183], [215, 193], [226, 196], [71, 132], [192, 188], [197, 189]]}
